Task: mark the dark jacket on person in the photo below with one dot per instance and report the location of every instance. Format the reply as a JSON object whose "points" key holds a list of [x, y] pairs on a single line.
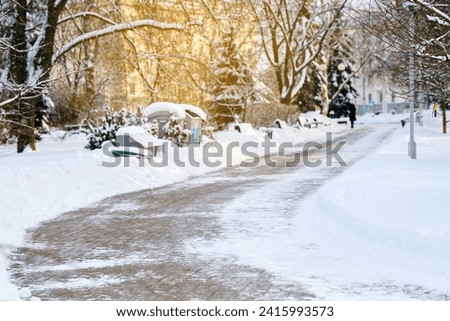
{"points": [[352, 111]]}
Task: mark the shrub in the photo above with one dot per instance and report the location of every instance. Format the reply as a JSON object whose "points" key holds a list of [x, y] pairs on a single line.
{"points": [[175, 130], [110, 123]]}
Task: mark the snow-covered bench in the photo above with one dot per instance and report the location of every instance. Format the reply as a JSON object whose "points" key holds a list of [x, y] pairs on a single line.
{"points": [[134, 141], [244, 128], [278, 125], [306, 122], [418, 119], [267, 131], [281, 124]]}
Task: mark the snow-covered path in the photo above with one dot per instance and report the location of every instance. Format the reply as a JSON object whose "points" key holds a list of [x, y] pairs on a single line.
{"points": [[225, 236]]}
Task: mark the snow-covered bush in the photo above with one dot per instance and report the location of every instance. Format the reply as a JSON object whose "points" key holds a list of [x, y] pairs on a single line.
{"points": [[185, 134], [126, 117], [152, 128], [110, 123], [209, 131], [175, 130], [172, 130]]}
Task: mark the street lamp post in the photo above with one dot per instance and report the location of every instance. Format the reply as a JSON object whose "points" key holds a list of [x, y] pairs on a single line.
{"points": [[412, 144]]}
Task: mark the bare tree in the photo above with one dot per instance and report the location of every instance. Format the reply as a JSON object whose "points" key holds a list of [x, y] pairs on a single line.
{"points": [[292, 36], [430, 42]]}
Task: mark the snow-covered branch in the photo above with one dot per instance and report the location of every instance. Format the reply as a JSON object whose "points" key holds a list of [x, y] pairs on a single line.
{"points": [[350, 77], [84, 15], [433, 57], [9, 101], [433, 9], [118, 28], [292, 36], [16, 123]]}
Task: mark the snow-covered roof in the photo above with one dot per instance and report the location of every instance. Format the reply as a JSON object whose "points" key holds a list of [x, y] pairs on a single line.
{"points": [[196, 110], [164, 108]]}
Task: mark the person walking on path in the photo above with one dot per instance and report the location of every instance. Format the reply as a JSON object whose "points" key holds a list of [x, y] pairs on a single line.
{"points": [[435, 108], [352, 113]]}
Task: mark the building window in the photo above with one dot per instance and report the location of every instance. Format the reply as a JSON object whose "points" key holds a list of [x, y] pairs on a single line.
{"points": [[369, 98], [381, 97], [393, 98]]}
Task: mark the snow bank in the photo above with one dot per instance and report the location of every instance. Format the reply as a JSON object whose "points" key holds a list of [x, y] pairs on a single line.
{"points": [[315, 115], [370, 118], [386, 217], [428, 121]]}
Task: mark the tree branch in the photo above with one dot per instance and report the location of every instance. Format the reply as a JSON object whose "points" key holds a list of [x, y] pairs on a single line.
{"points": [[86, 14], [118, 28], [338, 91], [432, 8]]}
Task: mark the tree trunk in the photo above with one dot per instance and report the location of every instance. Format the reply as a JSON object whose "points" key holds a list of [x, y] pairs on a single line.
{"points": [[28, 103], [27, 132], [19, 75], [286, 100]]}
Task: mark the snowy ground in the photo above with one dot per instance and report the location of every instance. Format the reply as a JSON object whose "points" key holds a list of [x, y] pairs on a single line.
{"points": [[386, 218], [401, 236], [381, 230]]}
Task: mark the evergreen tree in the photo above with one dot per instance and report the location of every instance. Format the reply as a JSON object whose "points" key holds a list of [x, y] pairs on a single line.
{"points": [[233, 85], [313, 95], [340, 69]]}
